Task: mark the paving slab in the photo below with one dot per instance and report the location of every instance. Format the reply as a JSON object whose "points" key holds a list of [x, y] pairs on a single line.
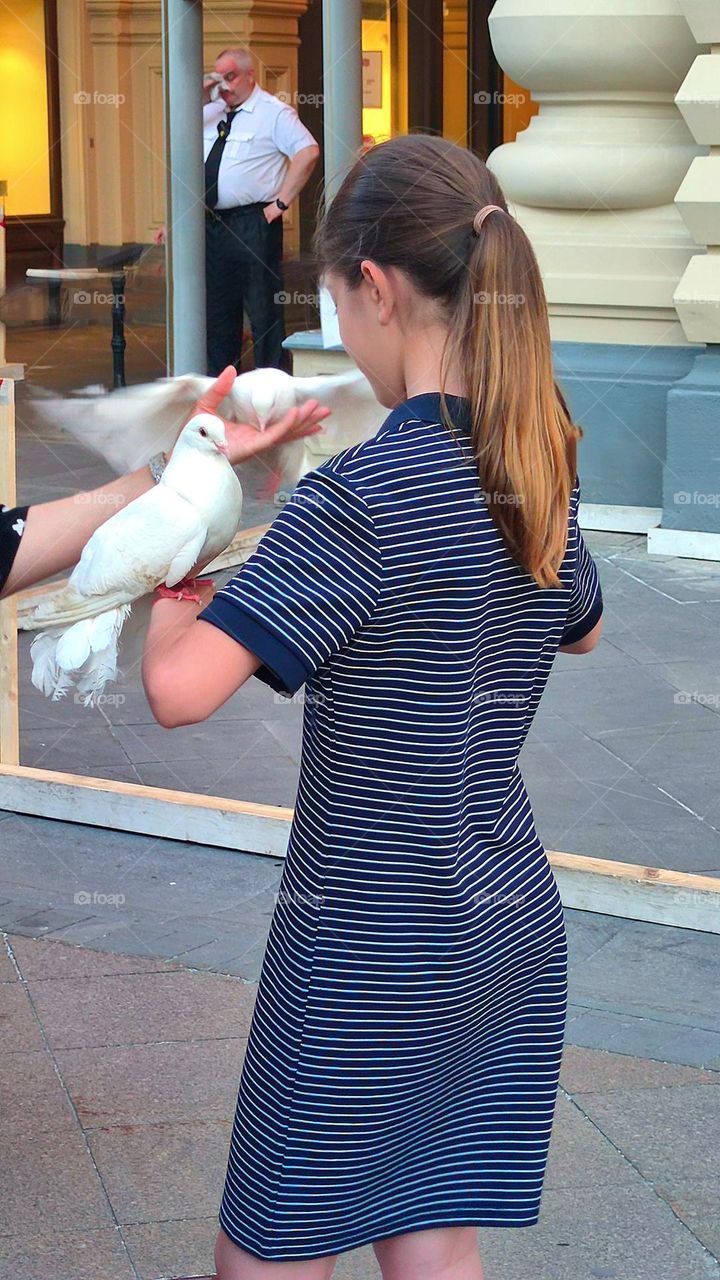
{"points": [[607, 1233], [153, 1083], [580, 1155], [646, 699], [142, 1008], [664, 1131], [19, 1030], [63, 748], [664, 1040], [47, 1181], [680, 760], [155, 1172], [648, 970], [698, 680], [34, 1101], [98, 1254], [36, 960], [241, 776], [242, 961], [47, 919], [182, 1247], [593, 1071], [151, 743], [8, 972], [697, 1204], [58, 858]]}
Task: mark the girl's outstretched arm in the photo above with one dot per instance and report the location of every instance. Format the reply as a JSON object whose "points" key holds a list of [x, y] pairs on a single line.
{"points": [[190, 668]]}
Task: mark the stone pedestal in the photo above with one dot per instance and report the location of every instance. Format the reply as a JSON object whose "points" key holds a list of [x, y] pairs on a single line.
{"points": [[690, 523], [593, 181]]}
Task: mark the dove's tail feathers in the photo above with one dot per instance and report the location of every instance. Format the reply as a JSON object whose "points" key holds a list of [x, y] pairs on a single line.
{"points": [[59, 608], [83, 657], [46, 674]]}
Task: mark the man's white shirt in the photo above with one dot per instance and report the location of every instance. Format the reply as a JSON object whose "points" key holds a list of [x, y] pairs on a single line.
{"points": [[265, 134]]}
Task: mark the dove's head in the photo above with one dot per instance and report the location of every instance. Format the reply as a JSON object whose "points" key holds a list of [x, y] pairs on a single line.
{"points": [[272, 393], [204, 432]]}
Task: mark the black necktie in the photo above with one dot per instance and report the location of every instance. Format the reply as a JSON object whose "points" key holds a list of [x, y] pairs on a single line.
{"points": [[212, 164]]}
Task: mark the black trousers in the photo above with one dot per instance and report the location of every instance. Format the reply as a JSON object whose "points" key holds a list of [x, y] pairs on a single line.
{"points": [[243, 267]]}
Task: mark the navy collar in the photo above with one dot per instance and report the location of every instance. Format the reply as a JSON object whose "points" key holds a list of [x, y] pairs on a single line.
{"points": [[426, 407]]}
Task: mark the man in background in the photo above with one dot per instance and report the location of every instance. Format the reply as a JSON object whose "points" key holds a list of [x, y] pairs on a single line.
{"points": [[258, 157]]}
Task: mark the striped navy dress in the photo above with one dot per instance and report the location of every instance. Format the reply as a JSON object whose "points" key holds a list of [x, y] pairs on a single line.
{"points": [[402, 1066]]}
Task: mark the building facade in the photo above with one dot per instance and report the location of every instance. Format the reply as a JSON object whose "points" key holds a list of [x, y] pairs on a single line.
{"points": [[599, 118]]}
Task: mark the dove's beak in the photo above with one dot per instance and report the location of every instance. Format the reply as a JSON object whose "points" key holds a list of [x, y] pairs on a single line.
{"points": [[221, 448]]}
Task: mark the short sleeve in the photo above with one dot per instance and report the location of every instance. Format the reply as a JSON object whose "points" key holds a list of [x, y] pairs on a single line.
{"points": [[586, 602], [311, 583], [12, 525], [290, 134]]}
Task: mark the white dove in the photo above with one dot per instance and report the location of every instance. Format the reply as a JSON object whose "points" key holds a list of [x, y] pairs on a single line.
{"points": [[126, 427], [192, 514]]}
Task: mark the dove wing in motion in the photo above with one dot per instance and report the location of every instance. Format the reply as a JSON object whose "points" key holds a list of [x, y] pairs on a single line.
{"points": [[129, 426], [133, 423]]}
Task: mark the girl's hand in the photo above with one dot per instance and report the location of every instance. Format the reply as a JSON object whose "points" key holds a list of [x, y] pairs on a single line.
{"points": [[244, 440]]}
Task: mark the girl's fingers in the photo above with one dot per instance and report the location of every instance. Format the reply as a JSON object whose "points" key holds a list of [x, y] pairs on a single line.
{"points": [[298, 420], [214, 396]]}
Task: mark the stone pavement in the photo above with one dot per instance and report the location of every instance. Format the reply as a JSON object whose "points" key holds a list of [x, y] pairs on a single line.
{"points": [[119, 1076]]}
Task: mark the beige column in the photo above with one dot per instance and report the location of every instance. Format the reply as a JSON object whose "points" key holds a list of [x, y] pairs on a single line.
{"points": [[691, 509], [697, 297], [594, 176], [122, 113], [76, 121]]}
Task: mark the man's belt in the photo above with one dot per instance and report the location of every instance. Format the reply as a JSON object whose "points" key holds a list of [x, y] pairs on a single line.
{"points": [[220, 215]]}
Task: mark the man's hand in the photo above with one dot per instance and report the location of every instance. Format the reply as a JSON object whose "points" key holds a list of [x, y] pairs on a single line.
{"points": [[271, 211], [246, 441]]}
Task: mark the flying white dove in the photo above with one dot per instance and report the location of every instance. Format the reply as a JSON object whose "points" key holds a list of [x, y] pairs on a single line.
{"points": [[127, 426], [192, 514]]}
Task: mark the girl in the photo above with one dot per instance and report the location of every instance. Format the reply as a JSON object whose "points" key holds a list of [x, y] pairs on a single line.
{"points": [[402, 1067]]}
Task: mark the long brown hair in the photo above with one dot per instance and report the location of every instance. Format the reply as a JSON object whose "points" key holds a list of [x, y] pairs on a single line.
{"points": [[410, 203]]}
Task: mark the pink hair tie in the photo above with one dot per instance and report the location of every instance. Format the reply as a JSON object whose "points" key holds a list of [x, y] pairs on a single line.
{"points": [[482, 214]]}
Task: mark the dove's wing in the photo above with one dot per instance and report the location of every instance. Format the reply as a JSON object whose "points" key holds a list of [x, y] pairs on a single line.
{"points": [[127, 426], [355, 413], [157, 538], [355, 416]]}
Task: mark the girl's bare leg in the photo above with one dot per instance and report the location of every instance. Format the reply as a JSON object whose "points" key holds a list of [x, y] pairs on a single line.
{"points": [[234, 1263], [441, 1253]]}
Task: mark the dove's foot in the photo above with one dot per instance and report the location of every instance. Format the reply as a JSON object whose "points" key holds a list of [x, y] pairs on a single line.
{"points": [[186, 589]]}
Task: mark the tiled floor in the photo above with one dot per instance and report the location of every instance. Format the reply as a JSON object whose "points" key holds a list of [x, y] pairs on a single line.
{"points": [[119, 1078]]}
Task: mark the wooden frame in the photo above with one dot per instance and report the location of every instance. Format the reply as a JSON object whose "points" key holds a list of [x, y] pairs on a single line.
{"points": [[589, 884]]}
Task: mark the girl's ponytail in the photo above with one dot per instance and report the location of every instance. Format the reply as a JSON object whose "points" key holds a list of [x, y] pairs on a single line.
{"points": [[524, 439], [419, 203]]}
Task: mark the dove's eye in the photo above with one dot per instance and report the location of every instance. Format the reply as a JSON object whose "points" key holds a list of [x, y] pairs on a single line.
{"points": [[203, 431]]}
